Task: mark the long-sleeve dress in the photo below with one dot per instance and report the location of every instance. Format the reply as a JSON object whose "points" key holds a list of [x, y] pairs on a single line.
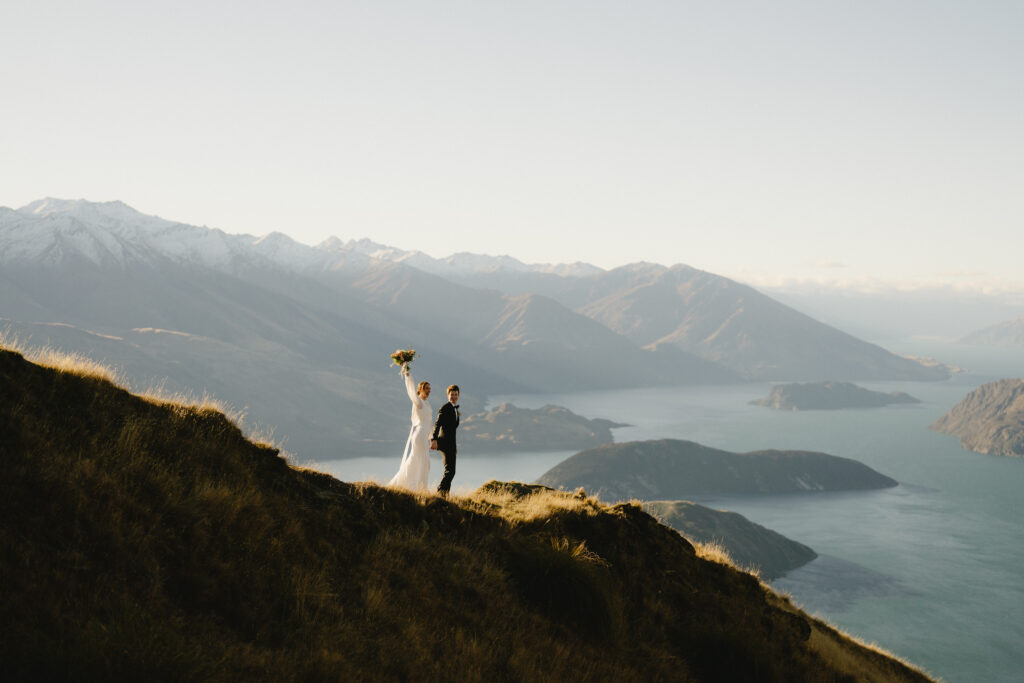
{"points": [[415, 467]]}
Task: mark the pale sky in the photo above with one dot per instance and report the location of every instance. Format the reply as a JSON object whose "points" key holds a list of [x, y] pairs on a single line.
{"points": [[854, 140]]}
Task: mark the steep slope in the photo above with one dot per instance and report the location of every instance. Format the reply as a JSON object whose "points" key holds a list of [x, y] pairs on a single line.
{"points": [[145, 541], [670, 469], [990, 419]]}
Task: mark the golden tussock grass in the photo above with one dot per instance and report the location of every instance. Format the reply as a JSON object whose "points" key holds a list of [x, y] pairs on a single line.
{"points": [[80, 365], [152, 541], [53, 358], [715, 551]]}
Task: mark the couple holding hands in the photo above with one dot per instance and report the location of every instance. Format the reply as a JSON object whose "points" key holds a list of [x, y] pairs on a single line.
{"points": [[415, 468]]}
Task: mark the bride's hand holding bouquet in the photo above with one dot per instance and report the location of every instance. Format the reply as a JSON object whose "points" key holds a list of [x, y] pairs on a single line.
{"points": [[402, 358]]}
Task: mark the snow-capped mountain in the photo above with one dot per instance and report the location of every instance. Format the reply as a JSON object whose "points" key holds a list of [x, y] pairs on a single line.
{"points": [[114, 234], [296, 332], [109, 234]]}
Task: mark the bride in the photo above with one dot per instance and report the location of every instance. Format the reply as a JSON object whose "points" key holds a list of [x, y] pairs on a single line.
{"points": [[412, 473]]}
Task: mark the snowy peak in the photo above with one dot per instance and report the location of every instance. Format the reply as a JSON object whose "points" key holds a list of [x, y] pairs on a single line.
{"points": [[115, 214], [55, 231], [52, 231]]}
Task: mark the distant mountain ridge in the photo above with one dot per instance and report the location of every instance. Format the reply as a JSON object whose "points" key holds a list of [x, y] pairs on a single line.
{"points": [[113, 232], [299, 334], [1007, 334]]}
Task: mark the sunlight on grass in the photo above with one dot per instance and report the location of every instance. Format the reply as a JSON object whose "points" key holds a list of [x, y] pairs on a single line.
{"points": [[715, 551], [71, 363], [80, 365], [516, 502], [195, 554]]}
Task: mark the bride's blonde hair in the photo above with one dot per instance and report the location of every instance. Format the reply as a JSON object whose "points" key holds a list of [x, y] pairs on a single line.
{"points": [[421, 386]]}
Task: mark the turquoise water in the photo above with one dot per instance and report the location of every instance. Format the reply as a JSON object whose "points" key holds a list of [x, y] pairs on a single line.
{"points": [[932, 570]]}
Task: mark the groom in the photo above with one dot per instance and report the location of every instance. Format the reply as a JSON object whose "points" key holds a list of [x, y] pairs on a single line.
{"points": [[443, 438]]}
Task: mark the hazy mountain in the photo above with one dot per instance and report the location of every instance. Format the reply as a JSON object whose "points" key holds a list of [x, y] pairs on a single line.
{"points": [[882, 313], [1009, 334], [295, 334], [717, 319], [300, 334], [729, 323], [670, 469], [990, 419], [829, 396]]}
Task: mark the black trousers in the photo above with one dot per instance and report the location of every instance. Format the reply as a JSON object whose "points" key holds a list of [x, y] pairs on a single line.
{"points": [[449, 472]]}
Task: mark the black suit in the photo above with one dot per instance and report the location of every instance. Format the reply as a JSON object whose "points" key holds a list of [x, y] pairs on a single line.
{"points": [[444, 433]]}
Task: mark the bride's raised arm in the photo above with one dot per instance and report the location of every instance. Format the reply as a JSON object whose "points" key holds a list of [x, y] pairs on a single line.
{"points": [[410, 387]]}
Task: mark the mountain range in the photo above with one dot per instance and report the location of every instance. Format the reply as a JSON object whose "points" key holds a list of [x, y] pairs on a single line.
{"points": [[299, 335], [1007, 334]]}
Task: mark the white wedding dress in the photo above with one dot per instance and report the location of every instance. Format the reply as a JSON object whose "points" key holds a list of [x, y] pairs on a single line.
{"points": [[415, 468]]}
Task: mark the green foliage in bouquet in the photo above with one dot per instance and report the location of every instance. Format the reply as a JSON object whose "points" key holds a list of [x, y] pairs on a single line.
{"points": [[403, 356]]}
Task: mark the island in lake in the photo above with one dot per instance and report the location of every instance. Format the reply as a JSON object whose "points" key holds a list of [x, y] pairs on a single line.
{"points": [[990, 419], [551, 428], [671, 469], [748, 544], [829, 396]]}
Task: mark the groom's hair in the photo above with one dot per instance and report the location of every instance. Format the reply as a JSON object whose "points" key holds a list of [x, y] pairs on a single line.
{"points": [[454, 387]]}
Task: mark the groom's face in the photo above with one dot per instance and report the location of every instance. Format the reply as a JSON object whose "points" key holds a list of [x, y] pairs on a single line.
{"points": [[453, 396]]}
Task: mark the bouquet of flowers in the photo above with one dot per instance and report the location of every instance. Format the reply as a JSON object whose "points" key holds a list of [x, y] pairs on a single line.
{"points": [[403, 357]]}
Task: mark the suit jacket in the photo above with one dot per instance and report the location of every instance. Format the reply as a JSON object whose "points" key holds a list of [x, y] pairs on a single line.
{"points": [[444, 428]]}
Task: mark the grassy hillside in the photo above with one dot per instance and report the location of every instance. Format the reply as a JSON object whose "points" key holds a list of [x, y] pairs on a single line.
{"points": [[151, 541]]}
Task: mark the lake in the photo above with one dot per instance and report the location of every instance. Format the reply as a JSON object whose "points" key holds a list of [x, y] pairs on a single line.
{"points": [[932, 570]]}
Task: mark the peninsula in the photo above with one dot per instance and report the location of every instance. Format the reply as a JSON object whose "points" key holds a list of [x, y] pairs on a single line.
{"points": [[990, 419]]}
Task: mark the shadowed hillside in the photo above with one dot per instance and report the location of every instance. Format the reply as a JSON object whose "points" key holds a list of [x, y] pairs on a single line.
{"points": [[151, 541]]}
